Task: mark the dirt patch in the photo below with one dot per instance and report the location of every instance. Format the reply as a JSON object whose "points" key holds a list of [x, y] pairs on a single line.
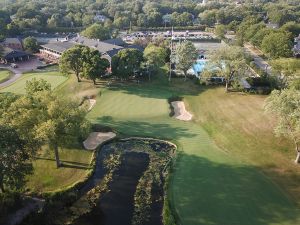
{"points": [[97, 138], [180, 112]]}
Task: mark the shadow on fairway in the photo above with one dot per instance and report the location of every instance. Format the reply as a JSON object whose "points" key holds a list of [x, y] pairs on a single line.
{"points": [[145, 129], [158, 90], [225, 194]]}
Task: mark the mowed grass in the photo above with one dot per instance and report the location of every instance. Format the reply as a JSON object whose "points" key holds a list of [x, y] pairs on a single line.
{"points": [[47, 178], [216, 179], [18, 87], [4, 75]]}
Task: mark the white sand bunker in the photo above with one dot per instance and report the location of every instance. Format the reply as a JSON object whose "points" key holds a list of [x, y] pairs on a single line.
{"points": [[97, 138], [92, 103], [180, 111]]}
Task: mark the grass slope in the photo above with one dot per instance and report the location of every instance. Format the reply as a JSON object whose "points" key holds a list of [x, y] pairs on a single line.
{"points": [[4, 75], [47, 177], [18, 87], [210, 185]]}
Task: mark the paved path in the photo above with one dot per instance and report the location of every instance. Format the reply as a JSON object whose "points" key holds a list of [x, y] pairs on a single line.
{"points": [[259, 61], [17, 74], [25, 66]]}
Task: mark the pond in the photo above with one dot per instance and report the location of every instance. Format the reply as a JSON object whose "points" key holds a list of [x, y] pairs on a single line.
{"points": [[135, 187]]}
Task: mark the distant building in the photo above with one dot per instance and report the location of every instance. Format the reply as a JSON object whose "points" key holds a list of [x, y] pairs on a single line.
{"points": [[10, 55], [272, 25], [13, 43], [100, 18], [107, 48], [296, 48]]}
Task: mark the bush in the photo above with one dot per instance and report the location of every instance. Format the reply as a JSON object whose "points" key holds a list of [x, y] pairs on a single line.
{"points": [[295, 84]]}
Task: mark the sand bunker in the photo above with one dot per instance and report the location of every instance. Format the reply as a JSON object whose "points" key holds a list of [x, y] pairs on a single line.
{"points": [[180, 111], [97, 138], [92, 104]]}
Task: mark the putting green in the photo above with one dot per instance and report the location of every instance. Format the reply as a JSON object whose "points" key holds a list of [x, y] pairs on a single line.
{"points": [[208, 186], [18, 87]]}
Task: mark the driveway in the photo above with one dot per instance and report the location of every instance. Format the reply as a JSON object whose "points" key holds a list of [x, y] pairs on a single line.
{"points": [[23, 67], [259, 61]]}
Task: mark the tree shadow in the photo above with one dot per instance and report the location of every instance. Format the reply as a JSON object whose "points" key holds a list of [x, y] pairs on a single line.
{"points": [[67, 164], [145, 129], [212, 193], [159, 89]]}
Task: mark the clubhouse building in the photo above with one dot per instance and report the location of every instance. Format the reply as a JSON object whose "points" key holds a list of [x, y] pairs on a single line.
{"points": [[108, 48]]}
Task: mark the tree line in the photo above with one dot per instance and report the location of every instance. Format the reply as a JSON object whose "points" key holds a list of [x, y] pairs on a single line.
{"points": [[21, 15]]}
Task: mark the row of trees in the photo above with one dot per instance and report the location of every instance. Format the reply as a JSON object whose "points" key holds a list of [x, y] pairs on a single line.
{"points": [[28, 122], [20, 14], [273, 42]]}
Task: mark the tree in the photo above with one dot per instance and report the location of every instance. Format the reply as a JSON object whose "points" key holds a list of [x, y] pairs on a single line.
{"points": [[95, 67], [72, 60], [230, 61], [286, 105], [14, 160], [126, 62], [277, 44], [62, 122], [155, 56], [31, 44], [287, 70], [41, 117], [97, 31], [220, 31], [186, 55]]}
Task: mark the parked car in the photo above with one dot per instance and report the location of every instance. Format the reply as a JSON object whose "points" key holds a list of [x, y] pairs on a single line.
{"points": [[13, 65]]}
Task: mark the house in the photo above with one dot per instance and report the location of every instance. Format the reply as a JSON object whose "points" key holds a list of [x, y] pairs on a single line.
{"points": [[272, 25], [13, 43], [296, 48], [100, 18], [11, 55]]}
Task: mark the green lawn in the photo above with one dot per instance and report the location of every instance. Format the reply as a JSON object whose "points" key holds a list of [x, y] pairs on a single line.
{"points": [[218, 178], [18, 87], [47, 177], [4, 75]]}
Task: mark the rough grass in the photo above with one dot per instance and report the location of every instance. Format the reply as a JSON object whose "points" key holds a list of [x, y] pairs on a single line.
{"points": [[4, 75], [47, 177], [224, 151], [18, 87]]}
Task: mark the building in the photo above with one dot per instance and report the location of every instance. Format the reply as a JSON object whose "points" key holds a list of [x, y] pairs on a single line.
{"points": [[54, 50], [107, 48], [296, 48], [11, 55], [100, 18], [13, 43]]}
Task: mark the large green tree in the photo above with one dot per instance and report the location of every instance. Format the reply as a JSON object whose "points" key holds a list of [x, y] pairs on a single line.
{"points": [[277, 44], [229, 61], [286, 105], [97, 31], [155, 56], [126, 62], [186, 55], [14, 160], [72, 60], [41, 117], [95, 66], [31, 44], [286, 69]]}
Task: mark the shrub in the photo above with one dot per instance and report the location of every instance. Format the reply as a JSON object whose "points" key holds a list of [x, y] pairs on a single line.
{"points": [[295, 84]]}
